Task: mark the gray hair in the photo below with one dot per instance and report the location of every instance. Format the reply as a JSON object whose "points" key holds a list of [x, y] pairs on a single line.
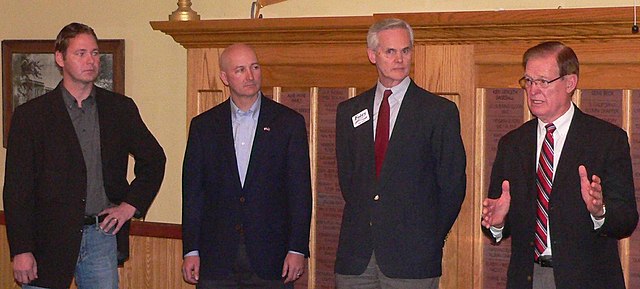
{"points": [[386, 24]]}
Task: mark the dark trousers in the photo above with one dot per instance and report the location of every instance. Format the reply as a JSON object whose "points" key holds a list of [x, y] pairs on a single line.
{"points": [[243, 277], [373, 278]]}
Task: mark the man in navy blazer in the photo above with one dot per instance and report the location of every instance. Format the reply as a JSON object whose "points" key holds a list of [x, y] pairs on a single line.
{"points": [[400, 205], [66, 196], [568, 237], [246, 186]]}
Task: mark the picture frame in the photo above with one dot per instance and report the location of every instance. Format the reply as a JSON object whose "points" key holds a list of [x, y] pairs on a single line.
{"points": [[29, 70]]}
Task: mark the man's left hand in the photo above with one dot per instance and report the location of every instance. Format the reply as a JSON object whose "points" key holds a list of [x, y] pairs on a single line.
{"points": [[116, 217], [293, 267], [591, 192]]}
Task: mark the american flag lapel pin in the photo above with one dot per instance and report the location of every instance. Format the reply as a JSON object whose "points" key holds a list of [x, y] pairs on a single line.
{"points": [[266, 128]]}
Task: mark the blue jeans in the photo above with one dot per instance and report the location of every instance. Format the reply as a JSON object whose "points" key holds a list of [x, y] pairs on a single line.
{"points": [[97, 265]]}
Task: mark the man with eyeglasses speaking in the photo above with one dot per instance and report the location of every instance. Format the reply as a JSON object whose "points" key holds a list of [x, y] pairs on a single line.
{"points": [[561, 185]]}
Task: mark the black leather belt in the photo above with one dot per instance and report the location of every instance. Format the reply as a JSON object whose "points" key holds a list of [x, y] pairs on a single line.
{"points": [[93, 220], [545, 261]]}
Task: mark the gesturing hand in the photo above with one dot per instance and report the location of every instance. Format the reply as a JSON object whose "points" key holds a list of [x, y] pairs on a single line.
{"points": [[494, 211], [591, 192]]}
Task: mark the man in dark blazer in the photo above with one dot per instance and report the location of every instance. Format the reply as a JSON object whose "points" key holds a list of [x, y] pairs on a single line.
{"points": [[591, 202], [399, 205], [66, 192], [246, 186]]}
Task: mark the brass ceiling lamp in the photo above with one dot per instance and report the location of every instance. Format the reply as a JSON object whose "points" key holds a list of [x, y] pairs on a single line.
{"points": [[259, 4]]}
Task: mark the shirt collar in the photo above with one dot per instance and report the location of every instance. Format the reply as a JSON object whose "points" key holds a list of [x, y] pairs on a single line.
{"points": [[71, 102], [397, 92], [254, 110], [562, 123]]}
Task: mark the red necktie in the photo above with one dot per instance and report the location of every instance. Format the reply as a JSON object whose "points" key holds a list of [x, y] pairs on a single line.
{"points": [[544, 181], [382, 131]]}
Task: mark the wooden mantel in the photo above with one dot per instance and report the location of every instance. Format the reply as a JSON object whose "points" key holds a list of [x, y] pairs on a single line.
{"points": [[432, 27]]}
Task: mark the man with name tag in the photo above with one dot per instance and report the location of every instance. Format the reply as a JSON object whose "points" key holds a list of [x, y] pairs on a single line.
{"points": [[67, 199], [561, 185], [401, 167]]}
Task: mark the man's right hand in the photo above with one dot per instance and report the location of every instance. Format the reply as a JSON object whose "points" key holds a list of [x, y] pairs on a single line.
{"points": [[494, 211], [191, 269], [25, 268]]}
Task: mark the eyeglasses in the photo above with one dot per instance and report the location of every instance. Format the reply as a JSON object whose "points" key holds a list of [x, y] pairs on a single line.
{"points": [[541, 83]]}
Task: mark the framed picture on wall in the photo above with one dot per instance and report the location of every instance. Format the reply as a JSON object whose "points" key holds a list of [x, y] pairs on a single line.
{"points": [[29, 70]]}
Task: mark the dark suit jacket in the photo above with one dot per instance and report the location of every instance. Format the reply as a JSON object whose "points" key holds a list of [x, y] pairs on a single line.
{"points": [[582, 257], [273, 210], [45, 180], [420, 189]]}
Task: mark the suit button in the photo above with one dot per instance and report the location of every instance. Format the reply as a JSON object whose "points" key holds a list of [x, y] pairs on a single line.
{"points": [[370, 224], [239, 228], [242, 200], [531, 244], [529, 278], [376, 197]]}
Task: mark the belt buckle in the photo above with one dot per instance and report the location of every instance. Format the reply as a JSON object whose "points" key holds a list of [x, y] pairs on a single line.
{"points": [[545, 261]]}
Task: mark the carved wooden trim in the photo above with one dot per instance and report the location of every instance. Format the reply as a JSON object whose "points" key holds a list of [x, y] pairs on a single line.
{"points": [[157, 230], [433, 27], [221, 33]]}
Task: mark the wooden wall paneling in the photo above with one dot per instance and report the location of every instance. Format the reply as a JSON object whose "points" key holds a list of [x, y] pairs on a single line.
{"points": [[479, 182], [313, 156], [155, 264], [206, 99], [612, 64], [204, 87], [316, 65], [328, 198], [6, 270], [625, 244], [633, 247], [449, 70]]}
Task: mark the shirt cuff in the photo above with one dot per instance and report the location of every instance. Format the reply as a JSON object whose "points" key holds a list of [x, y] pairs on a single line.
{"points": [[497, 233], [192, 253], [597, 223], [295, 252]]}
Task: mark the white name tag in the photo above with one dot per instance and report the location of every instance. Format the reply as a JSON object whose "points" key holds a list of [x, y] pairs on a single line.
{"points": [[360, 118]]}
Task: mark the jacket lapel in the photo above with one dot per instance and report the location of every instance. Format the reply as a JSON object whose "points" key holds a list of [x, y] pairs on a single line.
{"points": [[364, 139], [530, 160], [571, 151], [261, 144], [62, 123], [402, 131], [224, 133]]}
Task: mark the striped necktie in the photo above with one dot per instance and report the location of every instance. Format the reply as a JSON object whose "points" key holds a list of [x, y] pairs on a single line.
{"points": [[544, 181]]}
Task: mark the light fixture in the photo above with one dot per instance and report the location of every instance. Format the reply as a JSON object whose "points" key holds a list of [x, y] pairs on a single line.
{"points": [[257, 5]]}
